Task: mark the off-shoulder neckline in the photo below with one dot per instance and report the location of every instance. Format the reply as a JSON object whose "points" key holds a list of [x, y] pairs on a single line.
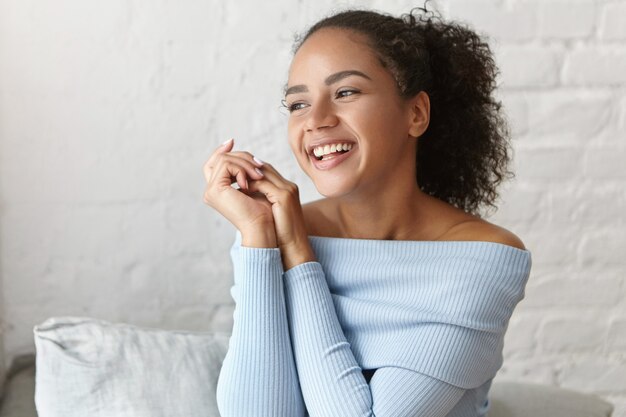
{"points": [[347, 239]]}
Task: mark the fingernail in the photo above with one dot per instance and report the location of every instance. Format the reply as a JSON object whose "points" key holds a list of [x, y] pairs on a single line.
{"points": [[259, 171], [257, 160], [227, 142]]}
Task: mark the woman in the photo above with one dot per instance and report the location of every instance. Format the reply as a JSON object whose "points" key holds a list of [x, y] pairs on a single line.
{"points": [[390, 296]]}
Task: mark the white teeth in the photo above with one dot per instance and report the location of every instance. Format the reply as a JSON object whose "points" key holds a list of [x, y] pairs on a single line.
{"points": [[328, 149]]}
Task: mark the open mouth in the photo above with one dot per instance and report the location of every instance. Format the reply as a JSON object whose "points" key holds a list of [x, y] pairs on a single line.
{"points": [[325, 152]]}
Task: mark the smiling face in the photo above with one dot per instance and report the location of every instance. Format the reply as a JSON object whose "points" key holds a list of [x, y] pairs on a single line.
{"points": [[340, 93]]}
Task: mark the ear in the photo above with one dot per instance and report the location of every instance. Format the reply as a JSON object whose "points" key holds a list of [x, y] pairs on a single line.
{"points": [[419, 114]]}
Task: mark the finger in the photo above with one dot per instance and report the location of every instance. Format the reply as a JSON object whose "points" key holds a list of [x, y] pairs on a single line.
{"points": [[230, 170], [242, 182], [223, 148], [240, 155], [274, 190], [248, 156], [225, 168], [271, 174], [286, 208], [265, 187]]}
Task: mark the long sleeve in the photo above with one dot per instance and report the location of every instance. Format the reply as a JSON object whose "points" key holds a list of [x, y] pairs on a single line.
{"points": [[331, 379], [258, 376], [430, 317]]}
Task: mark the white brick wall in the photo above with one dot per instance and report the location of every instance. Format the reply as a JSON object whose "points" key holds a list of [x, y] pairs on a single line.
{"points": [[563, 66], [109, 109]]}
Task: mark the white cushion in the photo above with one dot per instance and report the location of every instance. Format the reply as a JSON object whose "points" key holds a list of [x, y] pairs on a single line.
{"points": [[88, 367]]}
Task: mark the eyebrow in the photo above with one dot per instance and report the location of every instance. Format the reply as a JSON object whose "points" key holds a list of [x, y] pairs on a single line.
{"points": [[331, 79]]}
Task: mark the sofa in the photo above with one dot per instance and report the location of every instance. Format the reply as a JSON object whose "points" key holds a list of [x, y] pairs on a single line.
{"points": [[77, 357]]}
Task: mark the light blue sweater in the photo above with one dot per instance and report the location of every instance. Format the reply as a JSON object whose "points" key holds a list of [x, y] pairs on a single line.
{"points": [[429, 316]]}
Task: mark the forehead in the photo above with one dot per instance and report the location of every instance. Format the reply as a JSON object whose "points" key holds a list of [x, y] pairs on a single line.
{"points": [[331, 49]]}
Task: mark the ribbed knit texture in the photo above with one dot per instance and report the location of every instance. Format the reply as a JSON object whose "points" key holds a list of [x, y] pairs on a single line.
{"points": [[258, 376], [430, 316]]}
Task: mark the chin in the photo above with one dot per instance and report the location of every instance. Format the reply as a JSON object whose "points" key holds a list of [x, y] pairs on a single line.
{"points": [[329, 188]]}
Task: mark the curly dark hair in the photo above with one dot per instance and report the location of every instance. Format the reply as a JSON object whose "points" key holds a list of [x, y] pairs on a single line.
{"points": [[464, 154]]}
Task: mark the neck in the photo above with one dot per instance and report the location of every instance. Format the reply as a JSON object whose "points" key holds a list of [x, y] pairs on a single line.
{"points": [[393, 207], [401, 212]]}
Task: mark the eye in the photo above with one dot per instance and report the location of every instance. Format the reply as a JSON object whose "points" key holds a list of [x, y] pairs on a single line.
{"points": [[296, 106], [293, 106], [346, 93]]}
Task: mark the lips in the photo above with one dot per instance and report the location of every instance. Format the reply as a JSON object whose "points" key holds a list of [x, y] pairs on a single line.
{"points": [[326, 141], [327, 152], [330, 163]]}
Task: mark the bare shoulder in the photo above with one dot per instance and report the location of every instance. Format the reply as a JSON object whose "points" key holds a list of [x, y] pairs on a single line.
{"points": [[479, 229]]}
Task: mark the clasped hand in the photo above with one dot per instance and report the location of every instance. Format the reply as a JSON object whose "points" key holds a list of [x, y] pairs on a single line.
{"points": [[265, 209]]}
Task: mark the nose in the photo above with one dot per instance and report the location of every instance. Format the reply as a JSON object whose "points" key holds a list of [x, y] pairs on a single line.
{"points": [[320, 116]]}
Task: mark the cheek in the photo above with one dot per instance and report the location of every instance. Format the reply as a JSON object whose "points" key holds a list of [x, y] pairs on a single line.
{"points": [[390, 119], [376, 113]]}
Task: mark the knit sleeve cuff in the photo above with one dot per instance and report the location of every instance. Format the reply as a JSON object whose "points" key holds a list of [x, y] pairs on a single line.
{"points": [[261, 264], [303, 271]]}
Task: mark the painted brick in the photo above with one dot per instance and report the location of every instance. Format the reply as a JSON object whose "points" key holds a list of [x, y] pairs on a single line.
{"points": [[538, 371], [574, 293], [529, 66], [222, 319], [612, 26], [159, 20], [621, 120], [97, 23], [552, 245], [577, 196], [522, 204], [555, 164], [603, 247], [616, 341], [567, 117], [516, 110], [569, 335], [595, 66], [565, 19], [398, 7], [606, 163], [196, 317], [498, 20], [603, 201], [520, 339], [185, 65], [594, 374]]}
